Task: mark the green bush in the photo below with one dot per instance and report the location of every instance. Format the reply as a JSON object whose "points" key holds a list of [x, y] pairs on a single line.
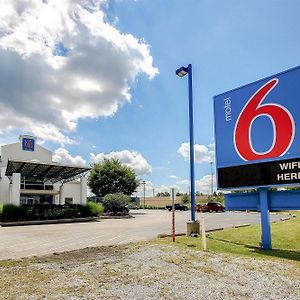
{"points": [[185, 199], [115, 203], [70, 213], [11, 212], [57, 212], [94, 209]]}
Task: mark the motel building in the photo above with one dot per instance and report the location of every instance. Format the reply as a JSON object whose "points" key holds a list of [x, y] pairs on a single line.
{"points": [[29, 176]]}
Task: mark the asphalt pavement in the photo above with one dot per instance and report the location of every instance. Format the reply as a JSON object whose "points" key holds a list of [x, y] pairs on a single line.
{"points": [[36, 240]]}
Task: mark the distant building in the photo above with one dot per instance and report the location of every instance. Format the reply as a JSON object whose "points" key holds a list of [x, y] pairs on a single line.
{"points": [[29, 176]]}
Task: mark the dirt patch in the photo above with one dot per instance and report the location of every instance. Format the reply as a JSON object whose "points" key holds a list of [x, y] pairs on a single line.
{"points": [[147, 271]]}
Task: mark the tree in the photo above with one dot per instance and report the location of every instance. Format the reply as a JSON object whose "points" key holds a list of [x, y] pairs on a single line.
{"points": [[163, 194], [293, 188], [110, 177], [185, 199]]}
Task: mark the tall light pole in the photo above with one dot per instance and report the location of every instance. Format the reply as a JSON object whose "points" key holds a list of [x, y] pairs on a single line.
{"points": [[181, 72], [212, 180], [144, 190]]}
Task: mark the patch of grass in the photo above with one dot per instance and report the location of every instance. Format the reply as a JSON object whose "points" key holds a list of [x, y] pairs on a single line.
{"points": [[95, 209], [246, 241], [9, 263]]}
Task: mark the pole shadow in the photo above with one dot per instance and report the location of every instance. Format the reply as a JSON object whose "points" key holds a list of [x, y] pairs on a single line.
{"points": [[279, 253]]}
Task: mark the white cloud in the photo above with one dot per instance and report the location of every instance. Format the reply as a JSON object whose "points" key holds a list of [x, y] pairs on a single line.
{"points": [[130, 158], [60, 61], [162, 189], [173, 177], [204, 184], [151, 189], [211, 146], [62, 155], [202, 153], [183, 182]]}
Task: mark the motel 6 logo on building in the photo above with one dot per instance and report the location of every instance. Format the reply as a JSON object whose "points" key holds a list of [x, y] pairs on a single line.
{"points": [[28, 144]]}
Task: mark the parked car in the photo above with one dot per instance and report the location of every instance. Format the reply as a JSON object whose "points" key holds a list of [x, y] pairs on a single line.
{"points": [[178, 206], [210, 207]]}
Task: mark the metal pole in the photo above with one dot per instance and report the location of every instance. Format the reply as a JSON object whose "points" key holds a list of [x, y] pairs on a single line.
{"points": [[212, 182], [173, 213], [144, 184], [203, 234], [191, 120], [265, 219]]}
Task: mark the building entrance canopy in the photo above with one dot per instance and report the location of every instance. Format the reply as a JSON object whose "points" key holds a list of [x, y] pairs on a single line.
{"points": [[41, 172]]}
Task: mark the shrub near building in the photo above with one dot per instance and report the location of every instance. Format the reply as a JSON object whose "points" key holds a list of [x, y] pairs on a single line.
{"points": [[12, 212], [94, 209], [116, 204]]}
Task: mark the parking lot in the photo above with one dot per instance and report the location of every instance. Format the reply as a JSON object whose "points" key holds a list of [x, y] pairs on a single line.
{"points": [[23, 241]]}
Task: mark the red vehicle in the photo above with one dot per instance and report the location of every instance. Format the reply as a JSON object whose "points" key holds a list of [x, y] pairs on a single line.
{"points": [[210, 207]]}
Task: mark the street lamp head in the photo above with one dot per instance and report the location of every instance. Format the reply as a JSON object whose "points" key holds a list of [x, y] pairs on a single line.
{"points": [[182, 71]]}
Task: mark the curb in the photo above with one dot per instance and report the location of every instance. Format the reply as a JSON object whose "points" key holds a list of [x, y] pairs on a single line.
{"points": [[285, 219], [214, 229], [44, 222], [164, 235], [242, 225], [61, 221], [116, 217]]}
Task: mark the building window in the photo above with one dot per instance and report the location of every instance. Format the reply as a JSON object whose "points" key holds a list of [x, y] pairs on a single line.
{"points": [[68, 201], [26, 200]]}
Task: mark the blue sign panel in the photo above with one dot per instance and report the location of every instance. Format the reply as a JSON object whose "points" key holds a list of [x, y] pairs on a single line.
{"points": [[259, 123], [277, 200], [27, 144]]}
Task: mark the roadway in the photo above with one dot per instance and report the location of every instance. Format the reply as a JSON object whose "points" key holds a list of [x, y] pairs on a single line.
{"points": [[36, 240]]}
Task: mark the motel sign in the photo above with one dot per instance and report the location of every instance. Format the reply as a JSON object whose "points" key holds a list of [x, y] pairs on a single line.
{"points": [[258, 145], [257, 133]]}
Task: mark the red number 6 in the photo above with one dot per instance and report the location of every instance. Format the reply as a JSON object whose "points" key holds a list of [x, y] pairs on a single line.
{"points": [[282, 121]]}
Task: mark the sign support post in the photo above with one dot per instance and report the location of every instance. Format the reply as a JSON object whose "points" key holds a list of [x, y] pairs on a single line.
{"points": [[265, 219], [173, 196]]}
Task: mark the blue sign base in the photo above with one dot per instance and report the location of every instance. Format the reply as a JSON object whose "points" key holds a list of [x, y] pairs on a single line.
{"points": [[277, 200], [264, 201]]}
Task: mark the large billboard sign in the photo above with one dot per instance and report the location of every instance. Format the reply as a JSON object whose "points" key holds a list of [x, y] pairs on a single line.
{"points": [[257, 133]]}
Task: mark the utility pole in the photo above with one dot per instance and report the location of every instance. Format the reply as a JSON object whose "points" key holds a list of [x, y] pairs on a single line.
{"points": [[212, 179], [144, 189]]}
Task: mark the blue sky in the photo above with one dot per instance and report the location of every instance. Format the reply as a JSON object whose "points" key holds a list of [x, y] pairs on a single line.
{"points": [[229, 43]]}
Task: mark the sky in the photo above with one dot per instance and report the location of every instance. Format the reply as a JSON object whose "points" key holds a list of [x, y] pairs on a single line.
{"points": [[95, 79]]}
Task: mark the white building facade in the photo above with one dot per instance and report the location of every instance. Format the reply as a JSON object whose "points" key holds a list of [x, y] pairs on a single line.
{"points": [[29, 176]]}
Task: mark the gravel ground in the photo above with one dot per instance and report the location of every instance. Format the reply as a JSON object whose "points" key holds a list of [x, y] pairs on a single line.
{"points": [[148, 271]]}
